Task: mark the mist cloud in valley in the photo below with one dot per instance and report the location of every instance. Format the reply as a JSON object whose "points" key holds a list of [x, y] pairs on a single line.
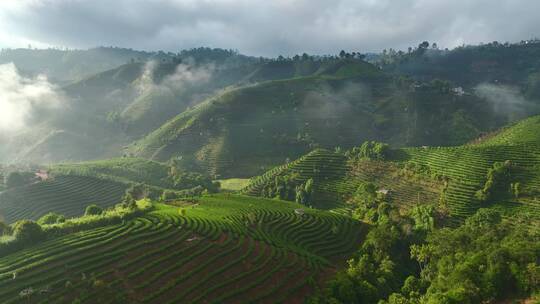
{"points": [[185, 76], [506, 100], [24, 99]]}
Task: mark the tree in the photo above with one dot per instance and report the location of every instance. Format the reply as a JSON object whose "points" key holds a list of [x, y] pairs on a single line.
{"points": [[129, 202], [93, 210], [497, 181], [27, 231], [342, 54], [423, 217], [424, 45], [370, 150], [51, 218]]}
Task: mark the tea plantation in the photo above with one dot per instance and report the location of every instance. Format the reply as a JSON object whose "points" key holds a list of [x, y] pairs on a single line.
{"points": [[222, 249]]}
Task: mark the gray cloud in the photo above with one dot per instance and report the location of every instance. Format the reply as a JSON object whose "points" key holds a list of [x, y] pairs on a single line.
{"points": [[260, 27]]}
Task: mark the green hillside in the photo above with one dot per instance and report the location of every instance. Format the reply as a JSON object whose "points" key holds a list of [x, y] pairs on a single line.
{"points": [[127, 170], [224, 249], [448, 177], [67, 195], [336, 178], [524, 132], [240, 132]]}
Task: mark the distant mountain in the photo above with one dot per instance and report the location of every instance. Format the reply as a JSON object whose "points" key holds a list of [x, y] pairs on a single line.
{"points": [[230, 114], [63, 66], [497, 63]]}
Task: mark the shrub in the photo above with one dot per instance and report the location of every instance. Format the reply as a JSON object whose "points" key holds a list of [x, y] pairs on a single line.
{"points": [[497, 179], [93, 210], [369, 150], [129, 202], [27, 231], [51, 218]]}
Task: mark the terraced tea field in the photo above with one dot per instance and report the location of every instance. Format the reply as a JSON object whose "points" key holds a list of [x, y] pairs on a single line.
{"points": [[467, 166], [336, 179], [329, 171], [464, 167], [67, 195], [224, 249]]}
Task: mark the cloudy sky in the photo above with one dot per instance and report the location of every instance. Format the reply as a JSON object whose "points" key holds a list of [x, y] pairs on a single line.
{"points": [[265, 27]]}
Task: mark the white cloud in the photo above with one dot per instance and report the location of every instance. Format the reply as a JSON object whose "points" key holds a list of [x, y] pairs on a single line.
{"points": [[21, 97], [262, 27]]}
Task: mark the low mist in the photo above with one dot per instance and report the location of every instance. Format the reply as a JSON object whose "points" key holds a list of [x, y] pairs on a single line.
{"points": [[506, 100], [186, 75], [23, 100]]}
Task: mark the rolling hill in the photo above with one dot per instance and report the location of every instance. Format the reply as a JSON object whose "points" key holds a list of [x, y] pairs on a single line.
{"points": [[223, 249], [448, 177], [242, 131]]}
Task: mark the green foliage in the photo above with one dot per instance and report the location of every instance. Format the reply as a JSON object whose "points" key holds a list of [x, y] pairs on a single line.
{"points": [[424, 217], [304, 193], [281, 187], [290, 188], [182, 180], [483, 260], [27, 232], [51, 218], [93, 210], [128, 201], [369, 206], [379, 267], [497, 183], [369, 150]]}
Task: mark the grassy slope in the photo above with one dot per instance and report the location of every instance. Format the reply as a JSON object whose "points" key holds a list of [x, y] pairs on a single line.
{"points": [[77, 185], [464, 166], [242, 131], [336, 179], [209, 255]]}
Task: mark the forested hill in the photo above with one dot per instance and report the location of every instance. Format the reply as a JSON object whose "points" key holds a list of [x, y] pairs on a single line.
{"points": [[515, 64]]}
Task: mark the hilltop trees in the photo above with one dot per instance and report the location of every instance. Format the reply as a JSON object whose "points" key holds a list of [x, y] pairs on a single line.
{"points": [[304, 192], [369, 150], [288, 187], [93, 210], [26, 231], [51, 218]]}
